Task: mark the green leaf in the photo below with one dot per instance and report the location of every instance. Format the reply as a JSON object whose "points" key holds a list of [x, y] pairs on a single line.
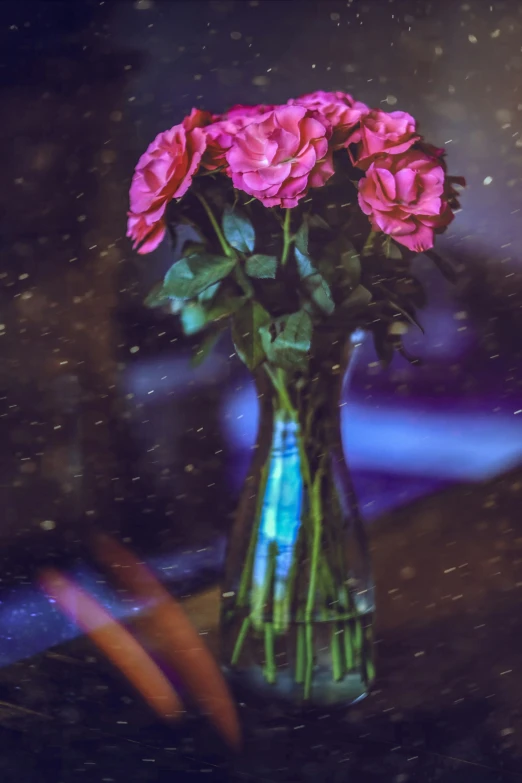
{"points": [[192, 249], [225, 306], [246, 335], [320, 293], [316, 286], [305, 265], [301, 238], [205, 349], [409, 316], [372, 243], [287, 340], [444, 266], [209, 293], [358, 299], [351, 267], [261, 266], [189, 276], [392, 250], [316, 221], [193, 318], [156, 296], [238, 230], [383, 347]]}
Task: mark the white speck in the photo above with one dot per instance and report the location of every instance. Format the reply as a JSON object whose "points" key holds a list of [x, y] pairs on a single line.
{"points": [[236, 36], [508, 671], [231, 594], [134, 349], [313, 66], [488, 180], [391, 100], [335, 17], [472, 39], [48, 524], [419, 654], [507, 732], [517, 412], [495, 33], [439, 50], [449, 570]]}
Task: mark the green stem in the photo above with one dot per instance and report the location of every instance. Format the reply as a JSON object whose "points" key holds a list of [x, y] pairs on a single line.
{"points": [[287, 239], [243, 281], [240, 641], [227, 250], [369, 668], [337, 663], [300, 655], [348, 651], [315, 507], [309, 633], [270, 667], [246, 576]]}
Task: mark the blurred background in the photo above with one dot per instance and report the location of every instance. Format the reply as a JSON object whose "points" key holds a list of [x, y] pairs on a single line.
{"points": [[105, 426]]}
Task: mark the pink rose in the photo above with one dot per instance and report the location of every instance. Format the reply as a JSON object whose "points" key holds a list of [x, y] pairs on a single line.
{"points": [[220, 134], [164, 172], [280, 155], [341, 112], [239, 111], [404, 196], [384, 132]]}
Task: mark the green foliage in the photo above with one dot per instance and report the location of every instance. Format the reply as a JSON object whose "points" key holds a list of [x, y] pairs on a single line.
{"points": [[189, 276], [444, 266], [301, 238], [287, 340], [261, 266], [317, 289], [246, 325], [208, 344], [193, 318], [238, 230], [156, 296], [358, 299]]}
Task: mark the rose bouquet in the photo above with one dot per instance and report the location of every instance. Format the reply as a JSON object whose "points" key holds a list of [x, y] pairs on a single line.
{"points": [[295, 226]]}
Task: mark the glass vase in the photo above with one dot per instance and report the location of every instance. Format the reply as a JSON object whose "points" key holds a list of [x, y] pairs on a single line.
{"points": [[298, 596]]}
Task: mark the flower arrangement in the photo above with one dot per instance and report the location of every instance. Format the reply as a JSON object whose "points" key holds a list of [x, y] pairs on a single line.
{"points": [[354, 192], [296, 226]]}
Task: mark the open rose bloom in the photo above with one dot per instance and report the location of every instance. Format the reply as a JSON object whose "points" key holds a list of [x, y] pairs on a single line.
{"points": [[322, 169]]}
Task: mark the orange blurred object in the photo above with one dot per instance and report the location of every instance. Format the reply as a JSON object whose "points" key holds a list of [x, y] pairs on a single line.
{"points": [[178, 640], [115, 642]]}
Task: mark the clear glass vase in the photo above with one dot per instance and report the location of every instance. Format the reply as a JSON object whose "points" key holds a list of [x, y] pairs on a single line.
{"points": [[298, 596]]}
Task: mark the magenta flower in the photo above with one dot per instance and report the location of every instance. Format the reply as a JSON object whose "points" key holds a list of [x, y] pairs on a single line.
{"points": [[280, 155], [404, 197], [242, 112], [384, 132], [164, 172], [220, 134], [340, 110]]}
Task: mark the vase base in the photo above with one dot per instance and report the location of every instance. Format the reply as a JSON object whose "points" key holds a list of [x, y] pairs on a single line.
{"points": [[250, 685]]}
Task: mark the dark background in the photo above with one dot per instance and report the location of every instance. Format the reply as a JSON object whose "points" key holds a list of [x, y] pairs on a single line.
{"points": [[103, 425]]}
